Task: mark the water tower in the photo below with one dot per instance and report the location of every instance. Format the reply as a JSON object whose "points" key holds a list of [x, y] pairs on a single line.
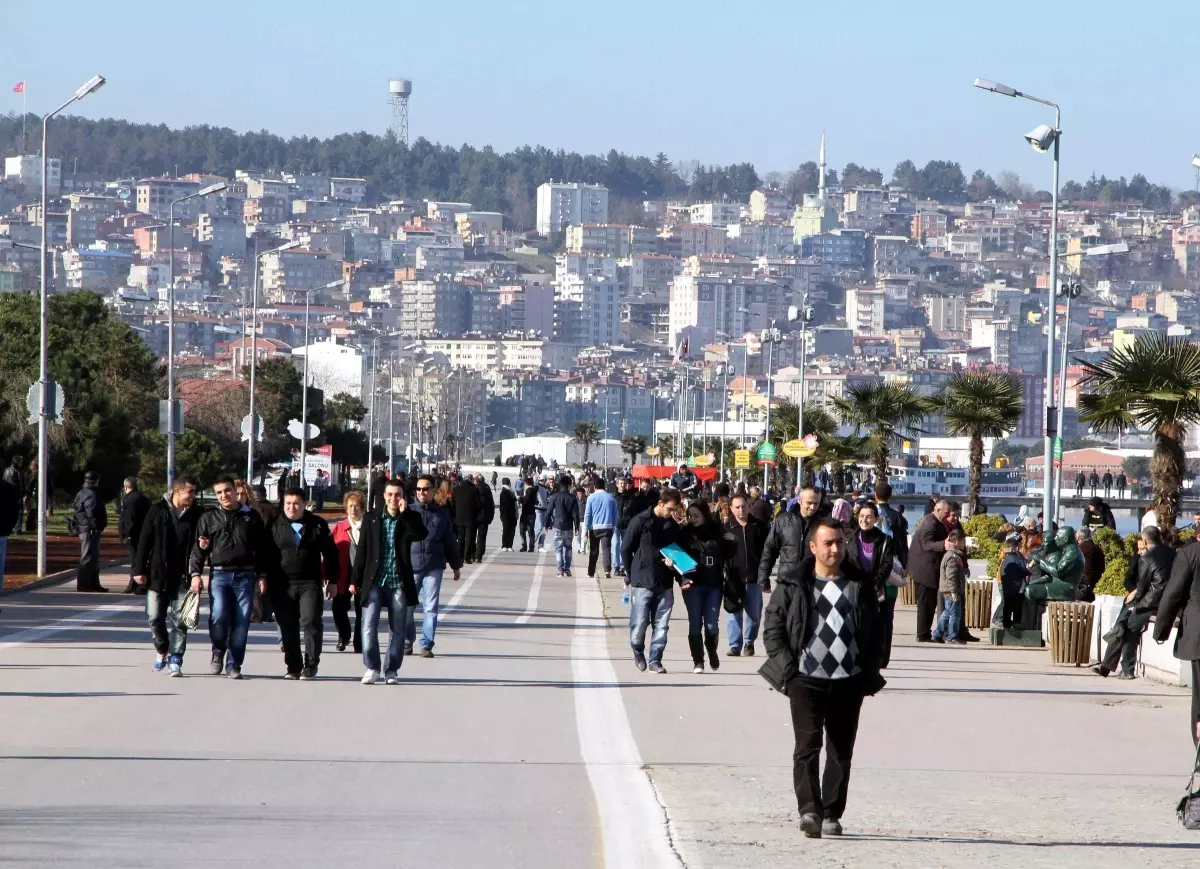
{"points": [[399, 90]]}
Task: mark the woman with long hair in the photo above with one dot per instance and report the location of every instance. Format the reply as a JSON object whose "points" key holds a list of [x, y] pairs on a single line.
{"points": [[869, 548], [345, 538], [707, 541]]}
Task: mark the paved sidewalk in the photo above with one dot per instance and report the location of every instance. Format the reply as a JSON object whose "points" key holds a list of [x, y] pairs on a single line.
{"points": [[972, 756]]}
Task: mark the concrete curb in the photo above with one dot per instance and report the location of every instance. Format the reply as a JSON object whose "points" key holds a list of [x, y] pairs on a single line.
{"points": [[63, 576]]}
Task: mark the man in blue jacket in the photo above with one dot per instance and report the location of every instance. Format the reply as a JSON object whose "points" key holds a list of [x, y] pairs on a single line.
{"points": [[429, 560], [599, 522]]}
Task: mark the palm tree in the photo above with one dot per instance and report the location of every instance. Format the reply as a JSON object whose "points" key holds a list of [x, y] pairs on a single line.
{"points": [[978, 405], [785, 422], [585, 434], [837, 451], [890, 412], [635, 445], [1152, 385], [666, 447]]}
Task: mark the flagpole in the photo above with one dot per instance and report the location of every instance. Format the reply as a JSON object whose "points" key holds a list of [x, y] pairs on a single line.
{"points": [[24, 112]]}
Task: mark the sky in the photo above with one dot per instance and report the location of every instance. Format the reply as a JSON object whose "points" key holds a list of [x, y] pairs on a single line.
{"points": [[717, 82]]}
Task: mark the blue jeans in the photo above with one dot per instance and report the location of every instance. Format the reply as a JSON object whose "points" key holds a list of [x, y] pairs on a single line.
{"points": [[393, 599], [948, 624], [162, 614], [648, 607], [618, 565], [430, 586], [539, 528], [230, 597], [743, 627], [703, 603], [562, 549]]}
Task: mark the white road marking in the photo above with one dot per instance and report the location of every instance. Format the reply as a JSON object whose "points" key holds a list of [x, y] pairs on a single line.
{"points": [[32, 635], [466, 586], [632, 825], [534, 590]]}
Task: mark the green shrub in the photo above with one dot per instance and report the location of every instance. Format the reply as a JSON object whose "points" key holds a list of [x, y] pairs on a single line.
{"points": [[1113, 579], [984, 529]]}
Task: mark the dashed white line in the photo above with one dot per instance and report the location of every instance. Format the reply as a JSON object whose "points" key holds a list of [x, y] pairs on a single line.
{"points": [[535, 590], [466, 586]]}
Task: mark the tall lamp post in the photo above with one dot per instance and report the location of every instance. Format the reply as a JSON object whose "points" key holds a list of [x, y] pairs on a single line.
{"points": [[171, 433], [254, 350], [92, 85], [724, 369], [769, 336], [304, 384], [1043, 138]]}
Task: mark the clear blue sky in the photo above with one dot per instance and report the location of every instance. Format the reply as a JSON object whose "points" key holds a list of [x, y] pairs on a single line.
{"points": [[714, 81]]}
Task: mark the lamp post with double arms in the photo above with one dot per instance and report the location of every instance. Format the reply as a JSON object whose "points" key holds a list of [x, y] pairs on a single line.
{"points": [[304, 384], [171, 432], [90, 86]]}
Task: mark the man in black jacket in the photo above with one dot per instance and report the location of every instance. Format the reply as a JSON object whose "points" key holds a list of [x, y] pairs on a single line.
{"points": [[787, 541], [529, 511], [1181, 601], [650, 579], [925, 564], [160, 568], [10, 517], [822, 637], [508, 515], [1153, 572], [234, 542], [487, 512], [306, 574], [626, 500], [129, 525], [562, 516], [750, 535], [382, 578], [467, 506], [91, 519]]}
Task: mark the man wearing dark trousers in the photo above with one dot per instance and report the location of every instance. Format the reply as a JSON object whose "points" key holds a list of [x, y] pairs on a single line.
{"points": [[508, 516], [924, 566], [1181, 598], [821, 634], [90, 521], [467, 506], [1154, 567], [306, 574], [487, 512], [134, 506]]}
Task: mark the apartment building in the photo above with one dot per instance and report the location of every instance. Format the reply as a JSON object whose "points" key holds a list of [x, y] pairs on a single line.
{"points": [[562, 204]]}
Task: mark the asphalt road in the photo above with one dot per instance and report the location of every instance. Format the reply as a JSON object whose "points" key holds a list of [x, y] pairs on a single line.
{"points": [[531, 741]]}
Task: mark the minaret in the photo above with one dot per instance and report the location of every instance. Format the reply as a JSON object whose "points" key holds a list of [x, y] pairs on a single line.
{"points": [[821, 172]]}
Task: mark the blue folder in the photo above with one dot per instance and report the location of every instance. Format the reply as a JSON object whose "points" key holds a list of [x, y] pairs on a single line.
{"points": [[684, 563]]}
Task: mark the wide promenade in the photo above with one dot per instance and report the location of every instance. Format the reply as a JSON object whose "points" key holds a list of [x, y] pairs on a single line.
{"points": [[531, 741]]}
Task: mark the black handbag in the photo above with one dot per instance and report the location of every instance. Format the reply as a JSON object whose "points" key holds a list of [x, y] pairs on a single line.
{"points": [[734, 593], [1188, 809]]}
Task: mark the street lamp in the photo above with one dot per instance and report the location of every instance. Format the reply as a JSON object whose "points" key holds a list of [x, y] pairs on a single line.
{"points": [[1073, 290], [304, 385], [254, 350], [769, 336], [804, 313], [171, 433], [1043, 138], [92, 85], [724, 369]]}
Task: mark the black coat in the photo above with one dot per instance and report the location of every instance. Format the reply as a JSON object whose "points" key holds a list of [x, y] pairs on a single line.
{"points": [[467, 503], [881, 558], [1154, 570], [787, 544], [313, 559], [529, 501], [1181, 600], [238, 540], [788, 621], [487, 504], [713, 547], [928, 547], [90, 514], [164, 546], [368, 561], [134, 507], [646, 535], [748, 548], [626, 502], [508, 506], [10, 507], [898, 525]]}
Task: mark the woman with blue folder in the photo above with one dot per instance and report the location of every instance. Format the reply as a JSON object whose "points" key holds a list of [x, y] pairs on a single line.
{"points": [[709, 546]]}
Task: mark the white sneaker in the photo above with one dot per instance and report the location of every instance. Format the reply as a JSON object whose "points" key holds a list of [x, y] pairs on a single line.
{"points": [[699, 668], [543, 549], [370, 677], [392, 677]]}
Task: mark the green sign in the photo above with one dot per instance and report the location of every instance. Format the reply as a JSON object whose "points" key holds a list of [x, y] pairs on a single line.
{"points": [[766, 452], [1058, 449]]}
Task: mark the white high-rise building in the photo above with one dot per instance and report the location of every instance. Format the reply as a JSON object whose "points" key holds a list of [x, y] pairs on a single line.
{"points": [[587, 311], [561, 204], [27, 169], [703, 305]]}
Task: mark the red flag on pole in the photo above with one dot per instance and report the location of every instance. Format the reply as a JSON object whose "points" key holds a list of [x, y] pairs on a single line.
{"points": [[19, 87]]}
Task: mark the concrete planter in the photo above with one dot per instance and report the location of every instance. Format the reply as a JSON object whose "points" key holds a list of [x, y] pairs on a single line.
{"points": [[1155, 660]]}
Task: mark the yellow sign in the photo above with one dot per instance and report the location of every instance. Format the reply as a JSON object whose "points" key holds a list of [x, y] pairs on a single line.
{"points": [[741, 458], [800, 449], [653, 451], [705, 461]]}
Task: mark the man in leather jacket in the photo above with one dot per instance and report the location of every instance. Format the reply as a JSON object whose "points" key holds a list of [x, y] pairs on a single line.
{"points": [[787, 541], [1153, 572]]}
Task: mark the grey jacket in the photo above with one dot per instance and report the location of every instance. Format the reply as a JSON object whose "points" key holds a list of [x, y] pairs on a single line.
{"points": [[953, 574]]}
